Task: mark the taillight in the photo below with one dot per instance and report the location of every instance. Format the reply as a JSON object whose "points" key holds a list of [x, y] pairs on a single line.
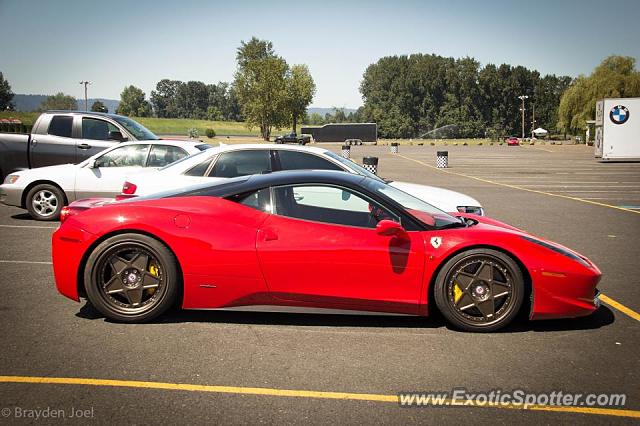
{"points": [[66, 213], [129, 188]]}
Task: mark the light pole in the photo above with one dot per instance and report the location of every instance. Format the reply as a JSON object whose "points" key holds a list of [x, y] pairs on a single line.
{"points": [[86, 104], [522, 98]]}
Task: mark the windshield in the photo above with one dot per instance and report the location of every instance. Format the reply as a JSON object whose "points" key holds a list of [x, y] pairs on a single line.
{"points": [[423, 211], [353, 166], [136, 129]]}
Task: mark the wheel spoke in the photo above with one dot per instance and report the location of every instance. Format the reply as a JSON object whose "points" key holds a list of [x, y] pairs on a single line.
{"points": [[499, 289], [485, 272], [149, 281], [140, 262], [465, 302], [114, 285], [117, 264], [134, 295], [486, 308], [464, 281]]}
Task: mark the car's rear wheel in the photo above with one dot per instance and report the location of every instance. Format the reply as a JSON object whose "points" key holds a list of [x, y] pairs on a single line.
{"points": [[131, 278], [479, 290], [45, 201]]}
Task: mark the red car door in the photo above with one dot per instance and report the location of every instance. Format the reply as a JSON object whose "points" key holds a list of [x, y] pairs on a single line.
{"points": [[321, 248]]}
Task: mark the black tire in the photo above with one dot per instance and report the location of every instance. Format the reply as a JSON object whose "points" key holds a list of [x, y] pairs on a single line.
{"points": [[483, 299], [119, 262], [45, 201]]}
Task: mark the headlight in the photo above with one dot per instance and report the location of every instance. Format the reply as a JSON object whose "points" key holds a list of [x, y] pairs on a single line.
{"points": [[471, 209], [11, 179], [558, 250]]}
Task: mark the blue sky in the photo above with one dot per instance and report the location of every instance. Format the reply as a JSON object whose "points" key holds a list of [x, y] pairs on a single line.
{"points": [[49, 46]]}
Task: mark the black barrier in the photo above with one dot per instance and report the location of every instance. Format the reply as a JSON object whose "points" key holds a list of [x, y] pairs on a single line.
{"points": [[442, 159], [346, 151], [371, 164]]}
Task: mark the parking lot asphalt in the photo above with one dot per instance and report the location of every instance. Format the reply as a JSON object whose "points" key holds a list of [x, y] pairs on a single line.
{"points": [[557, 192]]}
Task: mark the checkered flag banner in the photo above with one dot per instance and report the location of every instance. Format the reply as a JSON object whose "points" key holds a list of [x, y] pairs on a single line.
{"points": [[371, 164], [346, 151], [394, 147], [442, 160]]}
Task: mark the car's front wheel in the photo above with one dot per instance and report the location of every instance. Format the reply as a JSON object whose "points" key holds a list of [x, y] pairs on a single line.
{"points": [[479, 290], [45, 201], [131, 278]]}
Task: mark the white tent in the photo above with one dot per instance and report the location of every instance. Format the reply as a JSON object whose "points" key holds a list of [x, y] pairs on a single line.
{"points": [[540, 132]]}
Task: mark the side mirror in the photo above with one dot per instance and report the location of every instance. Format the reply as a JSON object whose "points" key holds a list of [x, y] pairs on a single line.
{"points": [[92, 164], [116, 136], [389, 228]]}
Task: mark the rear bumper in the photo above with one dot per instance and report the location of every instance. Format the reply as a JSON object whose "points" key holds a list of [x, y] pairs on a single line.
{"points": [[11, 195]]}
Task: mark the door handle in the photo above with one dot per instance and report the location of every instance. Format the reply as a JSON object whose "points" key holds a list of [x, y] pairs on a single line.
{"points": [[84, 146], [34, 142], [268, 235]]}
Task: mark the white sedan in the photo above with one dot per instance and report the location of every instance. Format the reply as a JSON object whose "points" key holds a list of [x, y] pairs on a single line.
{"points": [[44, 191], [227, 161]]}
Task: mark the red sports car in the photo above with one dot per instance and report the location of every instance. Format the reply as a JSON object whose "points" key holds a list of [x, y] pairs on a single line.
{"points": [[314, 240], [513, 141]]}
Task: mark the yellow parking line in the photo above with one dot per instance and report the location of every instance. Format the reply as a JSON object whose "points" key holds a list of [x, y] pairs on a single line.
{"points": [[296, 394], [619, 306], [519, 187]]}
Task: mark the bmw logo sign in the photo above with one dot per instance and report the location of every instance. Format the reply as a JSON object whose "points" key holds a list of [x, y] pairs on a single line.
{"points": [[619, 114]]}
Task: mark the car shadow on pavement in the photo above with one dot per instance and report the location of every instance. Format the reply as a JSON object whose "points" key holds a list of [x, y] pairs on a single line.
{"points": [[602, 317], [22, 216]]}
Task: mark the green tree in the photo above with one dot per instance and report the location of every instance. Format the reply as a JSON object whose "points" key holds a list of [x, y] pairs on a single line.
{"points": [[59, 101], [615, 77], [163, 98], [6, 95], [260, 86], [133, 103], [98, 106], [300, 92], [315, 119]]}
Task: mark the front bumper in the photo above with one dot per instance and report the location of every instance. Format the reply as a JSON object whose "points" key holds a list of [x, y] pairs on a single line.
{"points": [[11, 195], [69, 245], [565, 295]]}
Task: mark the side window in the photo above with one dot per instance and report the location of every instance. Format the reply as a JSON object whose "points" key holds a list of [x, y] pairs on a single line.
{"points": [[61, 125], [200, 169], [126, 156], [329, 204], [295, 160], [241, 163], [162, 155], [93, 128], [259, 200]]}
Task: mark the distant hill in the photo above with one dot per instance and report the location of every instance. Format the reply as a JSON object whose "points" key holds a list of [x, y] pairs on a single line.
{"points": [[323, 111], [28, 103]]}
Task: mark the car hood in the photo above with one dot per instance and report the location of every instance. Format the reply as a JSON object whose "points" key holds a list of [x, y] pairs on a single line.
{"points": [[444, 199], [47, 171]]}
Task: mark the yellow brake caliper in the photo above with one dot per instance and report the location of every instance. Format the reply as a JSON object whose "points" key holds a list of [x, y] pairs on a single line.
{"points": [[155, 271], [457, 293]]}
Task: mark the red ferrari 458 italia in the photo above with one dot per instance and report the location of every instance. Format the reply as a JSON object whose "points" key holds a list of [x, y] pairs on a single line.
{"points": [[313, 240]]}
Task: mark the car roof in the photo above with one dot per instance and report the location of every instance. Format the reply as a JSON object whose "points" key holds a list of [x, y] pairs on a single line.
{"points": [[172, 142], [95, 113], [194, 159]]}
